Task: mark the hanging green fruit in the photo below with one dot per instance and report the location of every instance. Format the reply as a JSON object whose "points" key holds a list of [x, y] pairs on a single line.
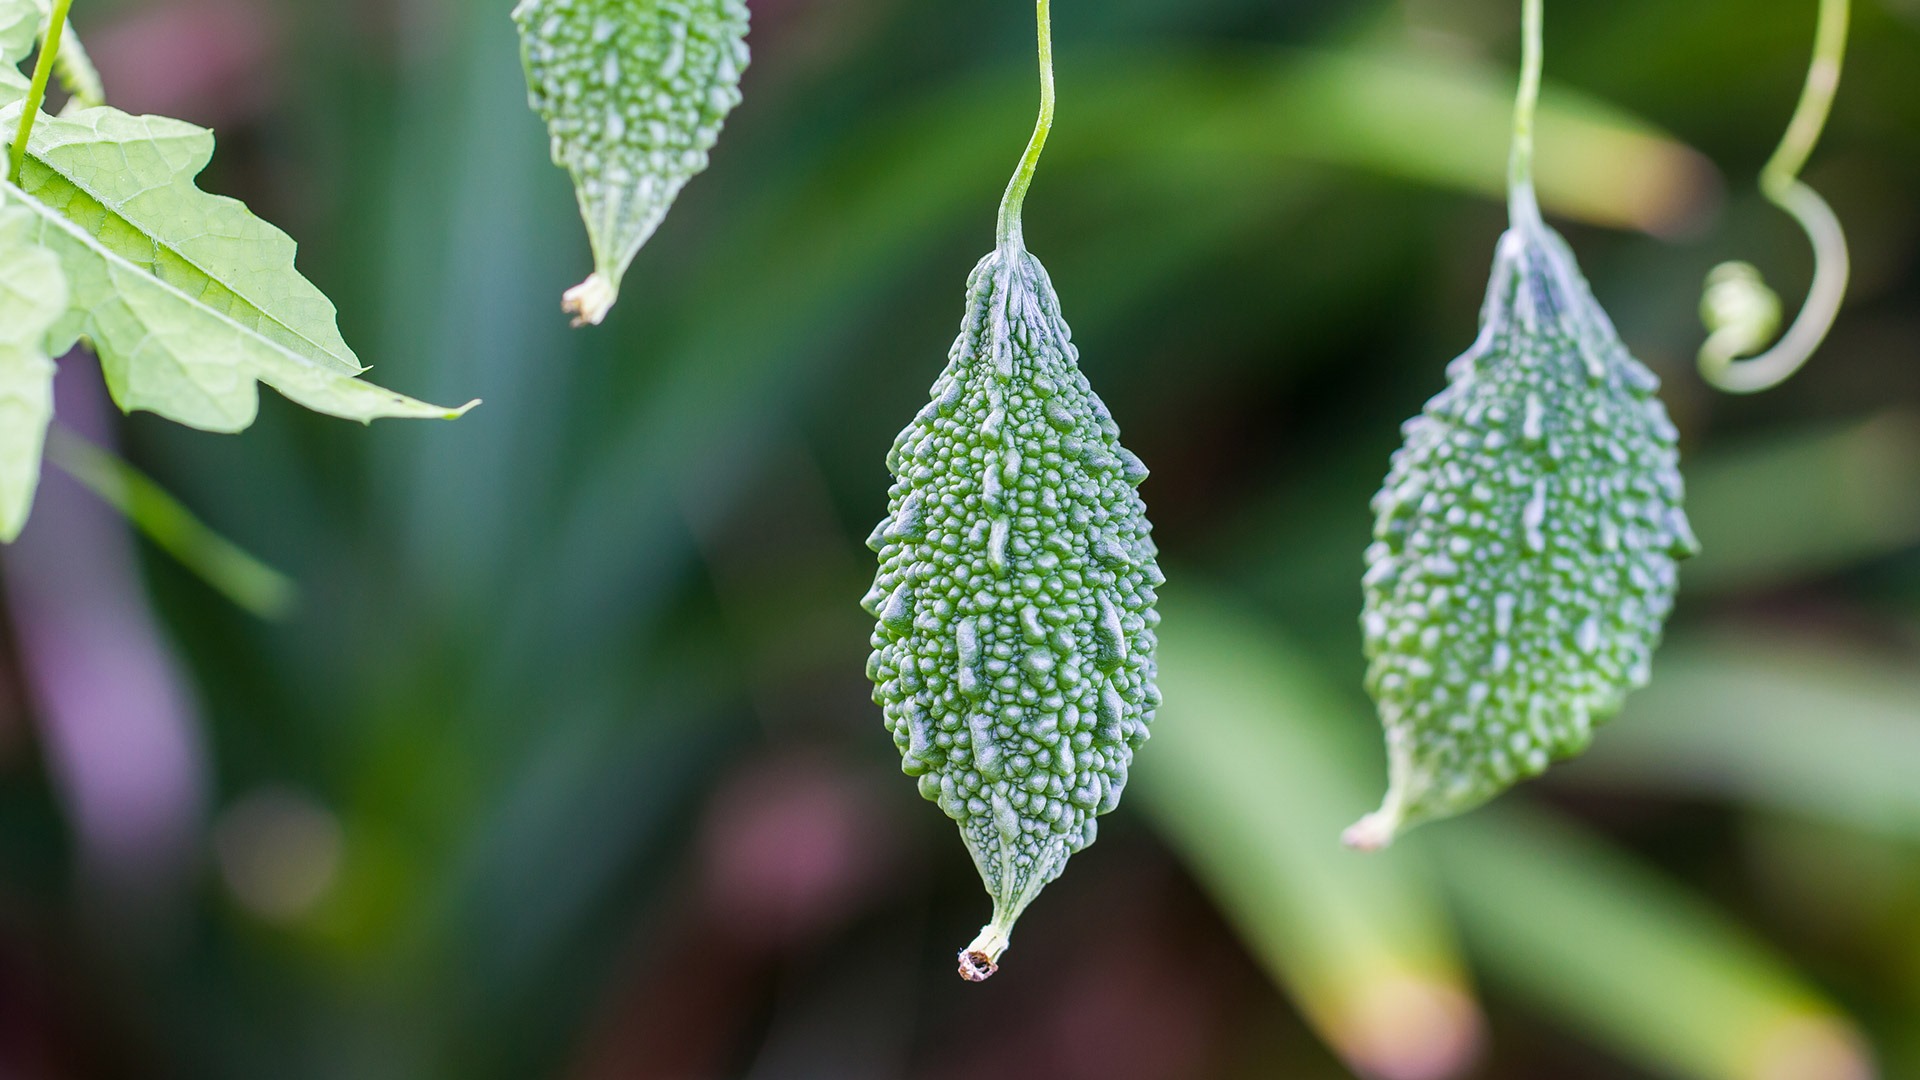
{"points": [[1527, 539], [1014, 654], [635, 93]]}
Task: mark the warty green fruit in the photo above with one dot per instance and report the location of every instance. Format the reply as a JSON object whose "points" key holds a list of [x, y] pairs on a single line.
{"points": [[1525, 545], [634, 93], [1014, 653]]}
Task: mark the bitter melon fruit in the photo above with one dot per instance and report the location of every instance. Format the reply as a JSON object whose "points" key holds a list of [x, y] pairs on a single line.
{"points": [[1014, 653], [634, 93], [1525, 545]]}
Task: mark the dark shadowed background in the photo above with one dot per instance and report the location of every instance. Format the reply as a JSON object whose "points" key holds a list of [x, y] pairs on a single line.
{"points": [[564, 765]]}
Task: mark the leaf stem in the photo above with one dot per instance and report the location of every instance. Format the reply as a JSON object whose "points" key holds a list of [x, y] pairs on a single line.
{"points": [[37, 95], [1010, 231], [1740, 311], [1522, 205]]}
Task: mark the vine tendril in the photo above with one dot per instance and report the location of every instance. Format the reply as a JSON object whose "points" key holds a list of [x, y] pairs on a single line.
{"points": [[1740, 311]]}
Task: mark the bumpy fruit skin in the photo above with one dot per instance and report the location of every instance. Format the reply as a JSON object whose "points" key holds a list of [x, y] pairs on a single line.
{"points": [[1525, 546], [634, 93], [1014, 654]]}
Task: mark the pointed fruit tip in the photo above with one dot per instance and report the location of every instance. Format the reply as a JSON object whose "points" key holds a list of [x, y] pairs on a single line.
{"points": [[981, 959], [1371, 833], [590, 301]]}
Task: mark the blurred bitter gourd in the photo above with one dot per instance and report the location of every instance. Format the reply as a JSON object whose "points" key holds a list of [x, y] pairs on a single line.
{"points": [[1526, 540], [634, 93], [1014, 654]]}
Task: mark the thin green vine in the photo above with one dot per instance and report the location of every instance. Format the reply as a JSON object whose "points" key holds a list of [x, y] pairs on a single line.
{"points": [[1016, 197], [37, 95], [1740, 311]]}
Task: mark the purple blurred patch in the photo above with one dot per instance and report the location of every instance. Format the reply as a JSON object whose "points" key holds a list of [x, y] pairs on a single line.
{"points": [[790, 850], [212, 62], [117, 722]]}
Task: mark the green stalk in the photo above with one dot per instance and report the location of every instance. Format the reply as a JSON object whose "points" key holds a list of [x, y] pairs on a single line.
{"points": [[1523, 207], [37, 94], [1010, 226]]}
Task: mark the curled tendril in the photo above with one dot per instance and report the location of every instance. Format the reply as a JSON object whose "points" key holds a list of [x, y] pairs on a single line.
{"points": [[1740, 311]]}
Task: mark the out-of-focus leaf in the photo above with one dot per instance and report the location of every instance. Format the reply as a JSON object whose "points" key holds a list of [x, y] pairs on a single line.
{"points": [[222, 564], [1250, 775], [1791, 724], [1380, 111], [1804, 504], [1631, 960]]}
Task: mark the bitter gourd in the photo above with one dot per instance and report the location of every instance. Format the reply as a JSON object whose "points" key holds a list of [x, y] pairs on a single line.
{"points": [[634, 93], [1525, 544], [1014, 653]]}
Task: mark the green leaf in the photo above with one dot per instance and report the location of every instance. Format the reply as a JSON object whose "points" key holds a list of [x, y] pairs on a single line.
{"points": [[1257, 763], [189, 299], [1854, 489], [1784, 721], [33, 296], [1627, 957], [222, 564], [635, 93], [20, 25]]}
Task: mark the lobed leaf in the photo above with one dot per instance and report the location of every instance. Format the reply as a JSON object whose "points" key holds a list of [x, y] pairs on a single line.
{"points": [[189, 299], [634, 93], [33, 296]]}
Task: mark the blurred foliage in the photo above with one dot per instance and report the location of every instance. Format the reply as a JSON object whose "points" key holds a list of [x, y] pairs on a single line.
{"points": [[565, 765]]}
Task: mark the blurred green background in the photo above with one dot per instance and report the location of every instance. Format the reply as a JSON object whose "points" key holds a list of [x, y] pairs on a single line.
{"points": [[564, 764]]}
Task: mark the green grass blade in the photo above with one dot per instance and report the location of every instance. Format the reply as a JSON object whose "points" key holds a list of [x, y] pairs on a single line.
{"points": [[1631, 961], [249, 583], [1854, 491], [1789, 724], [1250, 776]]}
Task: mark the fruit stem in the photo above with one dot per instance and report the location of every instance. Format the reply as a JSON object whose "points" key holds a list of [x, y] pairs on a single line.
{"points": [[37, 94], [1010, 231], [1522, 206]]}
